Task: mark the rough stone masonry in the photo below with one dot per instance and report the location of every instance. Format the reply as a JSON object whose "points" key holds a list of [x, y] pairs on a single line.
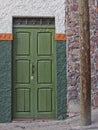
{"points": [[73, 53]]}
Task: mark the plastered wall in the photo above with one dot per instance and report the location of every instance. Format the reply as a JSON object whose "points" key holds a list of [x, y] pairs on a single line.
{"points": [[31, 8]]}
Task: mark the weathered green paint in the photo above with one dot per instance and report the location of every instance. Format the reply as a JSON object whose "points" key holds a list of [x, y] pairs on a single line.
{"points": [[5, 81], [45, 55], [61, 80], [34, 73]]}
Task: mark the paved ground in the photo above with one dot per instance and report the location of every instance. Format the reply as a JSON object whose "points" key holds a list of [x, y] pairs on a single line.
{"points": [[68, 124]]}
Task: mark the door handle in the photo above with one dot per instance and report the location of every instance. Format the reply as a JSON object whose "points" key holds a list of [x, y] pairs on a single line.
{"points": [[33, 67]]}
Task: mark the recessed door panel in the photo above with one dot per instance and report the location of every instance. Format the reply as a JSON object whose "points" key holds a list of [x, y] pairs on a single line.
{"points": [[45, 100], [23, 66], [23, 100], [23, 38], [44, 71], [44, 43]]}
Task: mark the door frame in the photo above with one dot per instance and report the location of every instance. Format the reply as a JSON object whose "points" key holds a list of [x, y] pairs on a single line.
{"points": [[61, 84], [43, 27]]}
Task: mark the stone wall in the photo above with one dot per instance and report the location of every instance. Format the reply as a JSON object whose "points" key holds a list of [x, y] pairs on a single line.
{"points": [[73, 56]]}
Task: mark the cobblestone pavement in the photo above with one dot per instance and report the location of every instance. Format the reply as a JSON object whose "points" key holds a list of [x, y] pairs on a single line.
{"points": [[68, 124]]}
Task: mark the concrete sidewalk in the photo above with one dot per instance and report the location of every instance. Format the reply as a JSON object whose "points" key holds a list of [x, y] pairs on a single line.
{"points": [[72, 123], [75, 122]]}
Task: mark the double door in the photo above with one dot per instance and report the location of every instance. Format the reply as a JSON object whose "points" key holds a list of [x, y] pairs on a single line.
{"points": [[34, 72]]}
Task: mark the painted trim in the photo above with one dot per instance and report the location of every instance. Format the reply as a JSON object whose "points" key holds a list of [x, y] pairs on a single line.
{"points": [[60, 37], [9, 37], [6, 36]]}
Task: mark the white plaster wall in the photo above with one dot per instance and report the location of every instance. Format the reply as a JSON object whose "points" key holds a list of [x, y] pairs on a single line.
{"points": [[10, 8]]}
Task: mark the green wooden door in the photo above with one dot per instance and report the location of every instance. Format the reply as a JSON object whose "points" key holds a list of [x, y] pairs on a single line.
{"points": [[34, 77]]}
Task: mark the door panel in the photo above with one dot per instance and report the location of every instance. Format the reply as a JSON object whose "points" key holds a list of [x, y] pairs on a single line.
{"points": [[44, 71], [23, 66], [23, 38], [44, 43], [34, 73], [23, 100], [44, 100]]}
